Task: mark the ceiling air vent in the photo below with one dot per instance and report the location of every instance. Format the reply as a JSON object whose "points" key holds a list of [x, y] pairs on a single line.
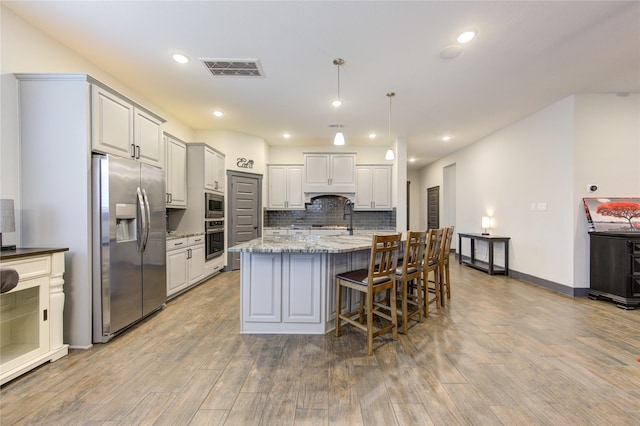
{"points": [[234, 67]]}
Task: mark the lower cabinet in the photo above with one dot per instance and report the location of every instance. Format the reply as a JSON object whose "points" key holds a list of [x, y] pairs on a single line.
{"points": [[615, 268], [288, 294], [185, 263], [31, 315]]}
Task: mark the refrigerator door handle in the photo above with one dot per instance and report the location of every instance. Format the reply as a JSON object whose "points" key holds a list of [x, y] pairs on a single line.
{"points": [[148, 227], [142, 229]]}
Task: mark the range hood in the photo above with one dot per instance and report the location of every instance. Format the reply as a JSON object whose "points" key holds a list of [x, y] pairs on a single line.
{"points": [[309, 196]]}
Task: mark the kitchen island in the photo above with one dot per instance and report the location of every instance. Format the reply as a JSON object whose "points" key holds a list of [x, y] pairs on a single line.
{"points": [[287, 283]]}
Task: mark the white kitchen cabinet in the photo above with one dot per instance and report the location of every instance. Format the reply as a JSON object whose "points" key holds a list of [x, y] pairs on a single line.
{"points": [[283, 292], [285, 187], [214, 172], [329, 232], [31, 315], [373, 187], [275, 232], [185, 263], [121, 128], [112, 123], [301, 288], [272, 232], [176, 172], [333, 173], [147, 137]]}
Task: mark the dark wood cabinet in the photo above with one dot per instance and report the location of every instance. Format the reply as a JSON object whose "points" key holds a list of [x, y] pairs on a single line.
{"points": [[615, 268]]}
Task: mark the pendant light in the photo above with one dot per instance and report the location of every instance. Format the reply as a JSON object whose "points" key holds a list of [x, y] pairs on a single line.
{"points": [[339, 138], [390, 155]]}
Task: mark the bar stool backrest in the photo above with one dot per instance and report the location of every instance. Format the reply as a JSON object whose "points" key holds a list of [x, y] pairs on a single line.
{"points": [[384, 257]]}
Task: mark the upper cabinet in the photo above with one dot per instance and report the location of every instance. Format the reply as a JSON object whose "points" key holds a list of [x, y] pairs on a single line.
{"points": [[121, 128], [329, 172], [176, 172], [285, 187], [214, 172], [373, 187]]}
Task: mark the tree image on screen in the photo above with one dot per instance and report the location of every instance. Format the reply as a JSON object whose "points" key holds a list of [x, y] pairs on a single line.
{"points": [[622, 209]]}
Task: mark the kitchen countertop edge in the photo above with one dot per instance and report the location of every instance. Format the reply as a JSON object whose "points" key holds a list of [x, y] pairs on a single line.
{"points": [[29, 252]]}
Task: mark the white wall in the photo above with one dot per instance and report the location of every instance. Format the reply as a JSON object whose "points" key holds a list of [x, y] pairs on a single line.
{"points": [[607, 153], [413, 176], [546, 158]]}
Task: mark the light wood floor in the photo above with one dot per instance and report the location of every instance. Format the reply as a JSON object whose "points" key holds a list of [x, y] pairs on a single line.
{"points": [[501, 352]]}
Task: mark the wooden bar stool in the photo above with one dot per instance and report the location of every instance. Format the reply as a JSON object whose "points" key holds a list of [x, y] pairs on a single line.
{"points": [[408, 275], [444, 266], [430, 265], [378, 278]]}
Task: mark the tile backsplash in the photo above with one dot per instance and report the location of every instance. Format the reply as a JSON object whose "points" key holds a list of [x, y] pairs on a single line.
{"points": [[329, 210]]}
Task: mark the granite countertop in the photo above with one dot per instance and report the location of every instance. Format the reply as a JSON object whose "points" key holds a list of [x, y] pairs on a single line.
{"points": [[307, 243], [174, 235]]}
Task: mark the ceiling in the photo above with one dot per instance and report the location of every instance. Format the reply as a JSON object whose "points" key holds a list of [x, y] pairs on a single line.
{"points": [[526, 56]]}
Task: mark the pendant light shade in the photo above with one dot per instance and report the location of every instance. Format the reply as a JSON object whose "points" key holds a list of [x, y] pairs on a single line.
{"points": [[390, 155], [339, 138]]}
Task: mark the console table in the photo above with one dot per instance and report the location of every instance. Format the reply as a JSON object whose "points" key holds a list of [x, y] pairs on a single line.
{"points": [[31, 313], [490, 267]]}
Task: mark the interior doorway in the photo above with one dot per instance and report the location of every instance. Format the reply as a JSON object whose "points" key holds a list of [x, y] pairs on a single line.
{"points": [[244, 221], [433, 207]]}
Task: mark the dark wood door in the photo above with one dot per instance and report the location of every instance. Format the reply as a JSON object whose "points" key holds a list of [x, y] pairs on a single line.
{"points": [[433, 207], [244, 222]]}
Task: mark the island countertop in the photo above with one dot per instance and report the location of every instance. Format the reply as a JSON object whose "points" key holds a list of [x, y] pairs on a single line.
{"points": [[307, 243]]}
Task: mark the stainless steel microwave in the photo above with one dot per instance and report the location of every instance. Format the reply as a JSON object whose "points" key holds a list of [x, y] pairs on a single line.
{"points": [[213, 206]]}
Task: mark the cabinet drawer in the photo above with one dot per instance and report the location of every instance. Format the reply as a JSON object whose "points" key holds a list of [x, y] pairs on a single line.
{"points": [[196, 239], [177, 243], [30, 268]]}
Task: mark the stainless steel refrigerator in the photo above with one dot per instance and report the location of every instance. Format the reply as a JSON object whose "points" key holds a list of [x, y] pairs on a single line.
{"points": [[129, 243]]}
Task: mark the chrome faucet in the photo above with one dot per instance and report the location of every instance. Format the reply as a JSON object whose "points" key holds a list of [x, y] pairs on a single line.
{"points": [[348, 205]]}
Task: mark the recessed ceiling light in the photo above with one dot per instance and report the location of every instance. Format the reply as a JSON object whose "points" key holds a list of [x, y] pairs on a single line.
{"points": [[286, 135], [336, 103], [446, 138], [180, 58], [218, 113], [466, 36], [372, 135], [411, 160], [450, 52]]}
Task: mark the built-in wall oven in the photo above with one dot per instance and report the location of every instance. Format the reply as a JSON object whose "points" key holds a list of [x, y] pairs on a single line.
{"points": [[213, 206], [214, 238]]}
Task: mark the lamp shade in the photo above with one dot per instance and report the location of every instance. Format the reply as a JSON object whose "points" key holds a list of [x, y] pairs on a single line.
{"points": [[7, 216], [339, 139], [486, 222], [389, 155]]}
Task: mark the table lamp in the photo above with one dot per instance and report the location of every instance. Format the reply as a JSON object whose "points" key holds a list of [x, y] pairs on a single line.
{"points": [[486, 224], [7, 221]]}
